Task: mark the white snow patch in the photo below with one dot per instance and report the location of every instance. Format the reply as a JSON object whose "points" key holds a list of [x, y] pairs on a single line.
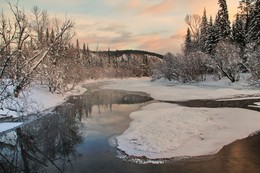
{"points": [[167, 130], [6, 126], [35, 99], [179, 131], [162, 90]]}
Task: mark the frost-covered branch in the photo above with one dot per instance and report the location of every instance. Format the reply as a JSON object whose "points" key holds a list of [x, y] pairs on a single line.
{"points": [[22, 51]]}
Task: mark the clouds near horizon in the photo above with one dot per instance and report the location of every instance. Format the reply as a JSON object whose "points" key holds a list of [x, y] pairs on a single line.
{"points": [[152, 25]]}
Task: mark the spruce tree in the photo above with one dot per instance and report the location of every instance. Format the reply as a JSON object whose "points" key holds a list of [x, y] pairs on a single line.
{"points": [[77, 45], [253, 34], [84, 50], [212, 37], [238, 32], [203, 31], [47, 37], [52, 37], [78, 51], [222, 20], [88, 56], [245, 12], [188, 42]]}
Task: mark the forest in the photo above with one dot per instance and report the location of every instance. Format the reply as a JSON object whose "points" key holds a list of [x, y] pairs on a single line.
{"points": [[218, 47], [36, 48]]}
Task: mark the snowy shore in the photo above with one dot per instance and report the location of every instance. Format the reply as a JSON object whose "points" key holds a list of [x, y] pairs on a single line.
{"points": [[174, 131], [162, 130], [34, 99]]}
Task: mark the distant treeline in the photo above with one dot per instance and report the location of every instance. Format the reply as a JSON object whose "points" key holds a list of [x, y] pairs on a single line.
{"points": [[118, 53]]}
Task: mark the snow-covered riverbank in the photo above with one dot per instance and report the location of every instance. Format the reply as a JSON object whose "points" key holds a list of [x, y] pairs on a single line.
{"points": [[162, 130], [34, 99]]}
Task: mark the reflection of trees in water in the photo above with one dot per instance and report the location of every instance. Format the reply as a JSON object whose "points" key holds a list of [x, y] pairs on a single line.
{"points": [[48, 141], [51, 139], [104, 99]]}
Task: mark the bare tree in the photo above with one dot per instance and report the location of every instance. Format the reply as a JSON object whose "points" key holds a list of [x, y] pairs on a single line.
{"points": [[194, 23], [39, 25], [18, 62]]}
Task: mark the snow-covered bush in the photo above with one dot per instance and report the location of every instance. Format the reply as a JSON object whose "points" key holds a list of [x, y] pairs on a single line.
{"points": [[253, 61], [194, 67], [170, 68], [226, 60], [183, 68]]}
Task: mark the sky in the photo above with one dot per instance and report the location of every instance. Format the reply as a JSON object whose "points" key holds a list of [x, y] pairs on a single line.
{"points": [[151, 25]]}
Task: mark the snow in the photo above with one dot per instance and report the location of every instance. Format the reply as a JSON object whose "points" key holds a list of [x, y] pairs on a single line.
{"points": [[172, 91], [35, 99], [163, 130], [175, 131], [7, 126]]}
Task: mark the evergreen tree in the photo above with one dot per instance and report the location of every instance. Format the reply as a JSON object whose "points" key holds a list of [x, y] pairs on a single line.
{"points": [[238, 33], [78, 51], [222, 20], [245, 10], [211, 38], [253, 34], [86, 53], [47, 37], [84, 50], [203, 31], [77, 45], [109, 57], [52, 37], [188, 42]]}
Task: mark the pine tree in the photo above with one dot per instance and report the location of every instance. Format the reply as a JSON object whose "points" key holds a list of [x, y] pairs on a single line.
{"points": [[47, 37], [84, 50], [77, 44], [188, 42], [211, 38], [253, 35], [222, 20], [109, 56], [86, 53], [78, 51], [245, 10], [52, 37], [238, 32], [203, 31]]}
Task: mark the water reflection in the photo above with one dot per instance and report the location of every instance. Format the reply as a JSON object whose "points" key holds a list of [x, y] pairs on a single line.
{"points": [[55, 142], [240, 157], [50, 141], [104, 99], [46, 141]]}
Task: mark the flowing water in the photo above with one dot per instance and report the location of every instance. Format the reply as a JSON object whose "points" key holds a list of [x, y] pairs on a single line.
{"points": [[78, 136]]}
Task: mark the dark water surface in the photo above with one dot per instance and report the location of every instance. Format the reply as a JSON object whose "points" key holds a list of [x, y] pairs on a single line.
{"points": [[78, 137]]}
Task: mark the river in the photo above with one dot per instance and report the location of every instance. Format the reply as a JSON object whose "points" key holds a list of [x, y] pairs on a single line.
{"points": [[79, 136]]}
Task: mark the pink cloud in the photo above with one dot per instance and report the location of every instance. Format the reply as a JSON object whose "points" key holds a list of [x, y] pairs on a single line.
{"points": [[162, 7]]}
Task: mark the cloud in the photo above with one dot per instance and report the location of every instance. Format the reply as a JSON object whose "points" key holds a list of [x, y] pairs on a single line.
{"points": [[178, 35], [153, 25], [161, 7]]}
